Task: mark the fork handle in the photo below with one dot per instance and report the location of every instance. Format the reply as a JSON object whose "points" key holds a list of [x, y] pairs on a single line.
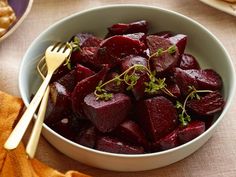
{"points": [[35, 134], [20, 129]]}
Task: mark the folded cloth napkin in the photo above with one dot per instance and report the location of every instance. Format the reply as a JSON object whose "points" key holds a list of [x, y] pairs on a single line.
{"points": [[15, 163]]}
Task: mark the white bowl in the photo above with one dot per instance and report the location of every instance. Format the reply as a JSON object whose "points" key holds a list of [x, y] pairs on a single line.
{"points": [[201, 43]]}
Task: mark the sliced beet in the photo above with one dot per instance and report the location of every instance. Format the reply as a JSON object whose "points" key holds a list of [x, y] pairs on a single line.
{"points": [[83, 72], [208, 105], [60, 103], [59, 73], [127, 28], [139, 88], [92, 42], [169, 141], [113, 86], [85, 87], [191, 131], [109, 144], [130, 132], [87, 137], [200, 79], [157, 116], [188, 62], [208, 79], [184, 80], [106, 115], [85, 56], [137, 36], [113, 49], [87, 40], [166, 61], [132, 60], [173, 88], [180, 40], [69, 80]]}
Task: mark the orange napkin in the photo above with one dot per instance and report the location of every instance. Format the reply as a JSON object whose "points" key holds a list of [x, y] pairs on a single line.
{"points": [[15, 163]]}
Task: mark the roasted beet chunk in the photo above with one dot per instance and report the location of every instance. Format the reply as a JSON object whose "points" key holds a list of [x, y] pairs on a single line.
{"points": [[132, 60], [87, 137], [113, 86], [113, 145], [166, 61], [169, 141], [157, 116], [180, 40], [83, 72], [130, 131], [124, 28], [87, 40], [85, 56], [59, 103], [191, 131], [85, 87], [106, 115], [200, 79], [164, 34], [137, 36], [188, 62], [208, 104], [113, 49]]}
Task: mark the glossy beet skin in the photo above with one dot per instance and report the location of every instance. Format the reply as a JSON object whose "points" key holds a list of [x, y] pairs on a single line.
{"points": [[157, 116], [132, 121], [112, 50], [166, 61], [107, 115]]}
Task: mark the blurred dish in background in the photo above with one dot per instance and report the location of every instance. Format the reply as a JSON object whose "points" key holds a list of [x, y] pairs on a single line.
{"points": [[12, 14], [7, 17], [228, 6]]}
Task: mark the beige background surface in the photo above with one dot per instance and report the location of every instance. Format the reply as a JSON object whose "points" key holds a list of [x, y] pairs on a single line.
{"points": [[217, 158]]}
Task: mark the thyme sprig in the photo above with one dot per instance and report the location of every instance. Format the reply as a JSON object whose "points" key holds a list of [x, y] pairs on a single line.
{"points": [[130, 78], [184, 117]]}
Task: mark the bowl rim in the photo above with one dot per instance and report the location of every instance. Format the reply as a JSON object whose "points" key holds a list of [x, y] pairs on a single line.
{"points": [[227, 106], [18, 22]]}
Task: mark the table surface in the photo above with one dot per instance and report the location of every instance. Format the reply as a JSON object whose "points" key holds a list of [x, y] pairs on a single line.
{"points": [[215, 159]]}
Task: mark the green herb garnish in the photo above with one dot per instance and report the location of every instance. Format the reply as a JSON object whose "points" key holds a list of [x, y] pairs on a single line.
{"points": [[184, 117]]}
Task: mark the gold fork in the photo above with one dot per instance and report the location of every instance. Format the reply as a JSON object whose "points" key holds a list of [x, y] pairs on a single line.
{"points": [[35, 134], [55, 55]]}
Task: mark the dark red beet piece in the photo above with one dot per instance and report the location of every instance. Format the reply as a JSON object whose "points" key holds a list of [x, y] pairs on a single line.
{"points": [[208, 104], [157, 116], [87, 40], [113, 49], [191, 131], [87, 137], [112, 86], [200, 79], [139, 88], [124, 28], [169, 141], [86, 57], [69, 80], [130, 132], [184, 80], [107, 115], [166, 61], [174, 89], [137, 36], [180, 40], [59, 73], [92, 42], [85, 87], [132, 60], [188, 62], [59, 102], [63, 128], [83, 72], [109, 144]]}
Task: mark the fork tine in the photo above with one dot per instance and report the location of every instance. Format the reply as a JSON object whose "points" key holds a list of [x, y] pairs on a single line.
{"points": [[55, 46]]}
